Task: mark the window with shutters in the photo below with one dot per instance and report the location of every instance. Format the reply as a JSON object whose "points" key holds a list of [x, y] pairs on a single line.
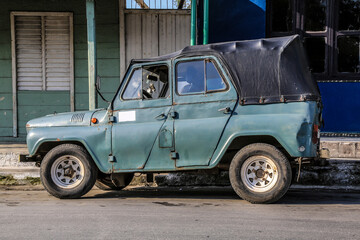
{"points": [[43, 51]]}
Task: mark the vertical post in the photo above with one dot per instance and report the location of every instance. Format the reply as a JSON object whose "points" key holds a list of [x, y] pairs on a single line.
{"points": [[91, 33], [193, 22], [14, 75], [122, 39], [206, 22]]}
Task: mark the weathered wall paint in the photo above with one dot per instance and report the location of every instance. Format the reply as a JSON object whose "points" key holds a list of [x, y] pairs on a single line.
{"points": [[33, 104], [5, 74]]}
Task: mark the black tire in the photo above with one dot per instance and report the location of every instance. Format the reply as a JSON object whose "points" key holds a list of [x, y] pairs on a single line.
{"points": [[54, 178], [254, 184], [104, 181]]}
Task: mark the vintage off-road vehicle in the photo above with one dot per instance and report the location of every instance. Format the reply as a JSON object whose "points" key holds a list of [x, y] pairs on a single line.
{"points": [[250, 107]]}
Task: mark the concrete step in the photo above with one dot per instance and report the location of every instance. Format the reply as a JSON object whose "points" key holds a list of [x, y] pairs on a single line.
{"points": [[342, 148], [16, 148], [9, 161]]}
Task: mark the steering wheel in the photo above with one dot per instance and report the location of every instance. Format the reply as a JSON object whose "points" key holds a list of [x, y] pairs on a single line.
{"points": [[146, 94]]}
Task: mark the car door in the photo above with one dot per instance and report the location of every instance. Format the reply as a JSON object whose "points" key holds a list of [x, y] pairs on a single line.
{"points": [[203, 102], [140, 111]]}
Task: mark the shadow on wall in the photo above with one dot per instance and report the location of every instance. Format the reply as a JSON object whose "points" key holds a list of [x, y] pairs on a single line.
{"points": [[231, 20]]}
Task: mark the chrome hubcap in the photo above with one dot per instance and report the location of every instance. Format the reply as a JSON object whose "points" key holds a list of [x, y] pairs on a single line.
{"points": [[67, 172], [259, 173]]}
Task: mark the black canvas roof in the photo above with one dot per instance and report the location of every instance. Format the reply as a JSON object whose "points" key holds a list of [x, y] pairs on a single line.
{"points": [[263, 71]]}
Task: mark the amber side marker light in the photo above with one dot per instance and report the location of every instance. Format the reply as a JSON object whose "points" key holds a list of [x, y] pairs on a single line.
{"points": [[94, 120]]}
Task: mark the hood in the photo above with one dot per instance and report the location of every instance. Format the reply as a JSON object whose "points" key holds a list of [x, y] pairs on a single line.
{"points": [[62, 120]]}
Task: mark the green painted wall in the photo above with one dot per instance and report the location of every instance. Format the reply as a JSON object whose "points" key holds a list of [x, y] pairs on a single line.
{"points": [[33, 104]]}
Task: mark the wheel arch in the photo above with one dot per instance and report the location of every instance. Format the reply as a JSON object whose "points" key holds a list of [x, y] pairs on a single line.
{"points": [[239, 142], [43, 147]]}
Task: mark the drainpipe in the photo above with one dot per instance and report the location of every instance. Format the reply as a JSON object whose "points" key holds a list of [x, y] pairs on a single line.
{"points": [[206, 22], [91, 35], [193, 22]]}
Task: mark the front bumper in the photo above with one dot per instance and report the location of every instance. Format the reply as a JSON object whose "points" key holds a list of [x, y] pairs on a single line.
{"points": [[26, 158]]}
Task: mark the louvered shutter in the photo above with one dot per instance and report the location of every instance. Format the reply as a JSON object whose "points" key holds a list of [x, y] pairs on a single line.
{"points": [[28, 53], [57, 53], [43, 52]]}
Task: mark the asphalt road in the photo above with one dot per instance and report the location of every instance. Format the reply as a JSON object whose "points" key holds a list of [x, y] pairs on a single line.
{"points": [[200, 213]]}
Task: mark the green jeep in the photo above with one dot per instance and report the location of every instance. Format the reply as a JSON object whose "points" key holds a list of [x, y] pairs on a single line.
{"points": [[249, 107]]}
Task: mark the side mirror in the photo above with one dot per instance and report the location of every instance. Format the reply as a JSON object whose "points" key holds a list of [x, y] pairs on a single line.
{"points": [[98, 83], [98, 86]]}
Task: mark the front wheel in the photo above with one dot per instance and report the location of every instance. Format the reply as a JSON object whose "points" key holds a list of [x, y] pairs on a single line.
{"points": [[260, 173], [67, 171]]}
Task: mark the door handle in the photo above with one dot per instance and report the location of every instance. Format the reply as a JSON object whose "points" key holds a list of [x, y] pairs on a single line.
{"points": [[226, 110], [173, 114], [160, 117]]}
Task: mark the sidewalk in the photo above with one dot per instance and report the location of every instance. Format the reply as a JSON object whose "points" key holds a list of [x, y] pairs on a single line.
{"points": [[9, 164]]}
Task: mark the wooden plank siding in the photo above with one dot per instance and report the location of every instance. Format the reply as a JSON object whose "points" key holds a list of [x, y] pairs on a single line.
{"points": [[33, 104], [154, 33]]}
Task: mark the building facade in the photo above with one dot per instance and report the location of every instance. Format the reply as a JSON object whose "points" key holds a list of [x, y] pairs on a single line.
{"points": [[44, 49]]}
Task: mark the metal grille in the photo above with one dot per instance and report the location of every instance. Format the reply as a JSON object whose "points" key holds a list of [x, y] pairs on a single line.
{"points": [[79, 117], [158, 4]]}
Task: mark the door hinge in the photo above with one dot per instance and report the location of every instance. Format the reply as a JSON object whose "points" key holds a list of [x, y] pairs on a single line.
{"points": [[112, 119], [111, 158], [174, 155]]}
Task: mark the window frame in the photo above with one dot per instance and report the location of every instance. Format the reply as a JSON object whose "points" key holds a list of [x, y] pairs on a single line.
{"points": [[337, 34], [13, 14], [203, 59], [330, 34], [153, 5], [136, 67]]}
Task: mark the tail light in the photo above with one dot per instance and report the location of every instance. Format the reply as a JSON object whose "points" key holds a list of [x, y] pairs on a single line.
{"points": [[315, 134]]}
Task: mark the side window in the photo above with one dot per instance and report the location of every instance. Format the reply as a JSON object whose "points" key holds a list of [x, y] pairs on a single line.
{"points": [[133, 88], [214, 82], [200, 76], [155, 82], [190, 77], [149, 82]]}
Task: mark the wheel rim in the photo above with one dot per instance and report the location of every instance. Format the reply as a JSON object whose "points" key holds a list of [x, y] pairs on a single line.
{"points": [[259, 173], [67, 172]]}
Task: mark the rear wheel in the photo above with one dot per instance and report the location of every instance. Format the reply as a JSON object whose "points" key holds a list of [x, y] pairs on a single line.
{"points": [[113, 182], [67, 171], [260, 173]]}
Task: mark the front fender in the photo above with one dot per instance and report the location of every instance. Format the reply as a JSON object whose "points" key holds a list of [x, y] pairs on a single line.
{"points": [[97, 143]]}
